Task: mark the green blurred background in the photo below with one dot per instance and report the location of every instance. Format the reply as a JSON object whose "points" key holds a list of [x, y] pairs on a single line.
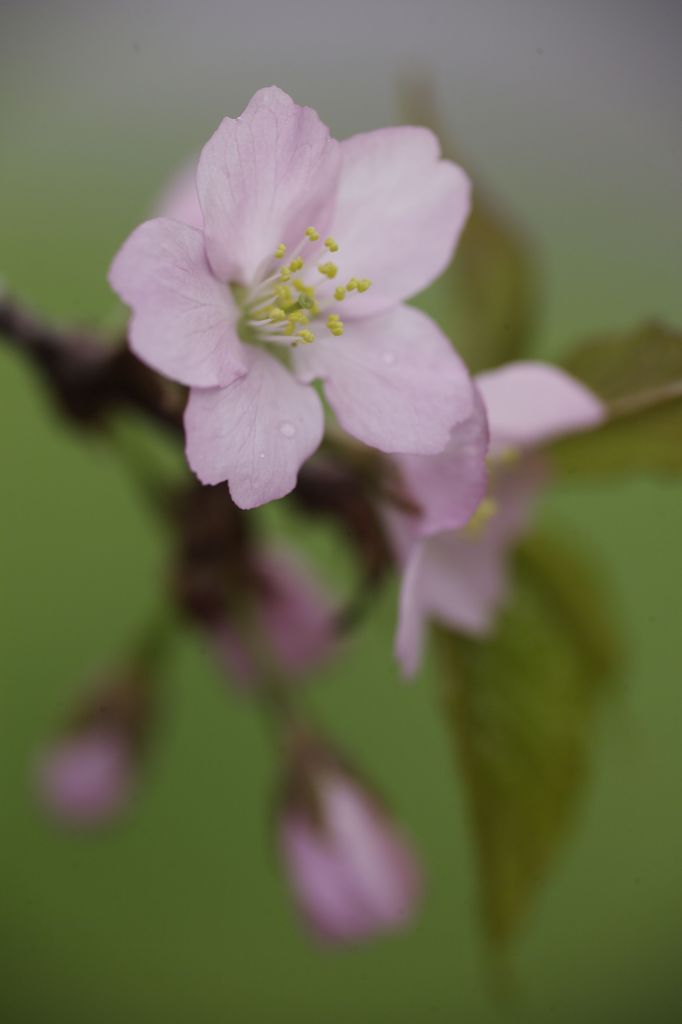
{"points": [[570, 113]]}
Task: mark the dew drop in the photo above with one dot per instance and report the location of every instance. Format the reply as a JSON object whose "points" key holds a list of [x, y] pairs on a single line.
{"points": [[389, 358], [261, 455], [287, 429]]}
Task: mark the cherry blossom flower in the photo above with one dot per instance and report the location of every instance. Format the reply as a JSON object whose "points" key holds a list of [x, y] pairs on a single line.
{"points": [[459, 577], [352, 871], [298, 272]]}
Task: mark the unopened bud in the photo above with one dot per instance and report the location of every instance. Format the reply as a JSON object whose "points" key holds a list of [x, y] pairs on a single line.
{"points": [[87, 776], [352, 871]]}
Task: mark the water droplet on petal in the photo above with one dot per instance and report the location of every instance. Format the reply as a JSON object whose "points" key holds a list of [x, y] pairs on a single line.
{"points": [[389, 358], [287, 429], [261, 455]]}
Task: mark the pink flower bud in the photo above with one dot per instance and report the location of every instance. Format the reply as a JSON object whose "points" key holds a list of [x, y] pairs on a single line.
{"points": [[352, 871], [87, 778], [290, 622]]}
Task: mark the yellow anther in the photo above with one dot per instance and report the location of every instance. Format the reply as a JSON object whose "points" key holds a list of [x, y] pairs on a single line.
{"points": [[506, 457], [297, 316], [331, 244], [306, 336], [363, 284], [289, 329], [306, 301], [340, 294], [336, 330], [301, 286], [483, 514], [312, 234], [329, 270], [280, 250], [333, 316], [283, 293], [275, 313], [296, 264], [284, 274], [352, 284]]}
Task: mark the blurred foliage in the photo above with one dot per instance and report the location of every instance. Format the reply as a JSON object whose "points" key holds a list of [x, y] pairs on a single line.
{"points": [[485, 300], [639, 375], [520, 707]]}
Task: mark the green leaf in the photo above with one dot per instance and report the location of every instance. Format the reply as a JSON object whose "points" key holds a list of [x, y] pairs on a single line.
{"points": [[639, 375], [485, 299], [520, 706], [634, 369]]}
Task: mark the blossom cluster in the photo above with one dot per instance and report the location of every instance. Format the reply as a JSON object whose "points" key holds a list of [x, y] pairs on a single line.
{"points": [[274, 285]]}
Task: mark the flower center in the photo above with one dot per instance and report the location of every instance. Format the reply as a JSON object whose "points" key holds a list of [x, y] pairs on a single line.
{"points": [[282, 308]]}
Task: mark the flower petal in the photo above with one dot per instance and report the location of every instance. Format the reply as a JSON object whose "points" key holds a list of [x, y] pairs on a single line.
{"points": [[399, 213], [179, 199], [531, 402], [263, 178], [394, 381], [256, 433], [458, 581], [449, 487], [183, 322]]}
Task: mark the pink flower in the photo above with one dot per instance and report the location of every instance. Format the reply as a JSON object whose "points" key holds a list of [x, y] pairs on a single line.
{"points": [[352, 871], [87, 778], [459, 577], [272, 292], [288, 622]]}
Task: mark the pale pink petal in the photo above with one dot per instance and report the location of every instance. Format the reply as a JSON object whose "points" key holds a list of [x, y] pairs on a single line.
{"points": [[184, 320], [263, 178], [531, 402], [399, 214], [460, 577], [86, 779], [353, 873], [179, 199], [394, 381], [449, 487], [256, 433], [452, 579]]}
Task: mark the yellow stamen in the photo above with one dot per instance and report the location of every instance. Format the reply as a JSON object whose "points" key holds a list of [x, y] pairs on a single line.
{"points": [[340, 294], [306, 301], [283, 293], [483, 514], [352, 284], [306, 336], [280, 250], [275, 313], [331, 245], [363, 284], [297, 316], [296, 264], [312, 234], [289, 329], [284, 274], [329, 270], [506, 457]]}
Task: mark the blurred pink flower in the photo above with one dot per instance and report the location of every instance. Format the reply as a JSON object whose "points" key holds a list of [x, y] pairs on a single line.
{"points": [[459, 577], [246, 308], [288, 622], [352, 871], [87, 777]]}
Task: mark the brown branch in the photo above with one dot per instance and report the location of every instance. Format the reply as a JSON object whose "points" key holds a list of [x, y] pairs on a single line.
{"points": [[86, 376]]}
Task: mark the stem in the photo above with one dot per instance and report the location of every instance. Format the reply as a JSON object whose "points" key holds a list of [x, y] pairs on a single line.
{"points": [[86, 375]]}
